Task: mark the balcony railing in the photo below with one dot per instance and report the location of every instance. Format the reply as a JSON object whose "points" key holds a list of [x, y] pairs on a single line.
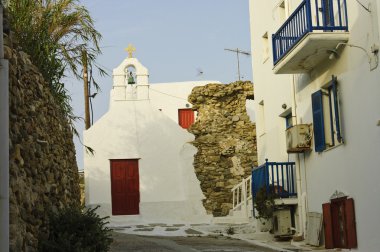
{"points": [[277, 178], [322, 15]]}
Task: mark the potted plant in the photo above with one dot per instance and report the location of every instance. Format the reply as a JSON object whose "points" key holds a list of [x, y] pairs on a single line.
{"points": [[264, 205]]}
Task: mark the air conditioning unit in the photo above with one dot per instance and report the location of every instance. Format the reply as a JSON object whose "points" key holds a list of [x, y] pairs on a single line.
{"points": [[282, 223], [298, 138]]}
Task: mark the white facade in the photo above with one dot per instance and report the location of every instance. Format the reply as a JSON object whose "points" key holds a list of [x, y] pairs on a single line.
{"points": [[169, 97], [143, 124], [351, 167]]}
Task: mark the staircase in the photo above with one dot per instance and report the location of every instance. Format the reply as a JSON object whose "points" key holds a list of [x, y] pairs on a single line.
{"points": [[242, 198], [242, 209]]}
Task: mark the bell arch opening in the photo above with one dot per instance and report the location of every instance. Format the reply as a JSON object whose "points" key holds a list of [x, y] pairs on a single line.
{"points": [[130, 75]]}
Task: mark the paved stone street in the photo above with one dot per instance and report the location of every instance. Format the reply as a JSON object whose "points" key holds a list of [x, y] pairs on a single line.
{"points": [[130, 242]]}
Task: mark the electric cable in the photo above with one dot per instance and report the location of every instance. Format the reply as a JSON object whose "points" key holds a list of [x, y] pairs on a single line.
{"points": [[167, 94], [366, 8]]}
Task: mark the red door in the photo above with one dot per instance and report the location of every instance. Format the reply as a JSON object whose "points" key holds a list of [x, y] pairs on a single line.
{"points": [[125, 188], [185, 117], [327, 224], [339, 223]]}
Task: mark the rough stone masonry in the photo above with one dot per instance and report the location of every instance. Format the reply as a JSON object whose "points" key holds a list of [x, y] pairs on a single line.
{"points": [[42, 166], [226, 141]]}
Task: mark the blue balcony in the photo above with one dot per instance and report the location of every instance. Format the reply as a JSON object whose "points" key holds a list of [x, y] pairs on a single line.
{"points": [[276, 177], [304, 39]]}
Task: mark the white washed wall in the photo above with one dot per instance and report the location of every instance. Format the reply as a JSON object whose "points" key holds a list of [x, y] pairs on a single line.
{"points": [[134, 128], [168, 186], [169, 97], [352, 168], [273, 90]]}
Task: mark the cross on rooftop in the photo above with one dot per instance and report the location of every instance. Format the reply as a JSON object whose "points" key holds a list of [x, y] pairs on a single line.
{"points": [[130, 49]]}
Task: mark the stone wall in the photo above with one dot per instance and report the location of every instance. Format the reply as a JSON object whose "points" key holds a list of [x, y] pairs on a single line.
{"points": [[226, 141], [43, 170]]}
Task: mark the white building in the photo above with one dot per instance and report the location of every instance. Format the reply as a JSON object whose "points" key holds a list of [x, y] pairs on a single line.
{"points": [[142, 169], [316, 63]]}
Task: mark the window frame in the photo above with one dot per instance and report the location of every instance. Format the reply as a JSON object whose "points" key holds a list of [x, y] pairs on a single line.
{"points": [[266, 51], [260, 127], [281, 12], [326, 121], [288, 117], [288, 121]]}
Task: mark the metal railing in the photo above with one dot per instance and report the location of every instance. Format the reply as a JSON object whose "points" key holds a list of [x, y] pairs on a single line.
{"points": [[278, 178], [323, 15], [242, 195]]}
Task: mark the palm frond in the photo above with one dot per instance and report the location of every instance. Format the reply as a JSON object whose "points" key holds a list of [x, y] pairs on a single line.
{"points": [[54, 33]]}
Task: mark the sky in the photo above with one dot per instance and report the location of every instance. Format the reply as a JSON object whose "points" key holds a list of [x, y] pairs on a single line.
{"points": [[174, 39]]}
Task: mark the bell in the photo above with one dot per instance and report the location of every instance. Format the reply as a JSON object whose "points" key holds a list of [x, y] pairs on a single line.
{"points": [[131, 80]]}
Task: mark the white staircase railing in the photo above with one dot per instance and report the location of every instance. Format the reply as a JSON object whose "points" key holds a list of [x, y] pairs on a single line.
{"points": [[242, 195]]}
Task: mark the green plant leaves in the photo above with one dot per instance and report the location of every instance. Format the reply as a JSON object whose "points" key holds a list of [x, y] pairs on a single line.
{"points": [[264, 203], [77, 230], [54, 33]]}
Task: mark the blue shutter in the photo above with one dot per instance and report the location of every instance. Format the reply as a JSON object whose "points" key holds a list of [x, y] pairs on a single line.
{"points": [[336, 108], [318, 122]]}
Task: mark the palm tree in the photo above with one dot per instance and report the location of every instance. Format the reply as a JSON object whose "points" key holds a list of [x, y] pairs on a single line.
{"points": [[54, 33]]}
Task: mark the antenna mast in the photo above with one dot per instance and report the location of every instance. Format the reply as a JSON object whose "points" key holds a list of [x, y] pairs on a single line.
{"points": [[238, 51]]}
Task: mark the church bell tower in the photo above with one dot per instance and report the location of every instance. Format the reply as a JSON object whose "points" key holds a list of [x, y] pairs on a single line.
{"points": [[130, 79]]}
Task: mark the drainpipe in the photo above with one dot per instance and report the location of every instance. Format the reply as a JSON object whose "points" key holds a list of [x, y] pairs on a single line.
{"points": [[4, 143], [301, 220], [305, 194], [300, 196]]}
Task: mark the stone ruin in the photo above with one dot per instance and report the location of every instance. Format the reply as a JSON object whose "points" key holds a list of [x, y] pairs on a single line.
{"points": [[226, 141]]}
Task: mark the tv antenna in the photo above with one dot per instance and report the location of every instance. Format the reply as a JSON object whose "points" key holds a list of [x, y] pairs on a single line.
{"points": [[238, 51]]}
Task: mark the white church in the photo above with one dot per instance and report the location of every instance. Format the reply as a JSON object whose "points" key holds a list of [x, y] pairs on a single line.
{"points": [[142, 169]]}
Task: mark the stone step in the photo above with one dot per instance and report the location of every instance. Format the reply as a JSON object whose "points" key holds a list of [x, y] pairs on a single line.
{"points": [[230, 220]]}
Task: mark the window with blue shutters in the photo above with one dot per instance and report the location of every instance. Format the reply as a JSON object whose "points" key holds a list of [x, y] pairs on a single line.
{"points": [[318, 121], [326, 119]]}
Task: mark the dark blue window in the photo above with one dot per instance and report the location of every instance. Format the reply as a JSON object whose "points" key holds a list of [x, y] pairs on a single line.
{"points": [[288, 121], [334, 93], [332, 134], [318, 121]]}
